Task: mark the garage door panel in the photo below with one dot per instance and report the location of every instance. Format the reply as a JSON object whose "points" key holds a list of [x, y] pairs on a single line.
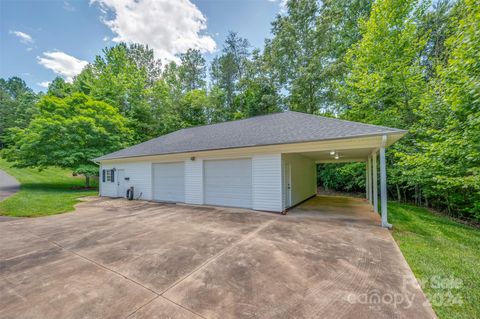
{"points": [[169, 182], [228, 182]]}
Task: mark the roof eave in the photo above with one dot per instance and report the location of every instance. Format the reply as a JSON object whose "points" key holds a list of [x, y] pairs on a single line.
{"points": [[398, 133]]}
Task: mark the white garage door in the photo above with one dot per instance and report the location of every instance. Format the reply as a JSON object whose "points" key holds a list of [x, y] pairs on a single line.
{"points": [[228, 182], [169, 182]]}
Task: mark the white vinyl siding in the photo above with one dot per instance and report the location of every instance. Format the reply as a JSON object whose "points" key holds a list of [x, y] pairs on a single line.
{"points": [[267, 182], [194, 181], [303, 178], [169, 182], [253, 181], [228, 182], [138, 174]]}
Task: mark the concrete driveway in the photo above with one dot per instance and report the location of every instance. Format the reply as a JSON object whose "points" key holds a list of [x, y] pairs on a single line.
{"points": [[117, 259]]}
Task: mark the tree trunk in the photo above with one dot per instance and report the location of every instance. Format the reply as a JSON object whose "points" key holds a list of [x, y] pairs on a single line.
{"points": [[399, 195], [87, 181]]}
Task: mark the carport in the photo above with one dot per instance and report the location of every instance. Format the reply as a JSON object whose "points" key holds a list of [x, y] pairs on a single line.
{"points": [[348, 150], [265, 163]]}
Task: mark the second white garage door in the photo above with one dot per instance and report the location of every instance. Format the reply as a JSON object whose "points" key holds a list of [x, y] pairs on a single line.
{"points": [[169, 182], [228, 182]]}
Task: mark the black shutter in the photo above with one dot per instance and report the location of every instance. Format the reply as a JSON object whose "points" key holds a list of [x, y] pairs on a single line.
{"points": [[103, 175], [113, 176]]}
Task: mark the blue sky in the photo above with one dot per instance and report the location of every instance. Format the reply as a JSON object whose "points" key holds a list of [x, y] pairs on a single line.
{"points": [[42, 39]]}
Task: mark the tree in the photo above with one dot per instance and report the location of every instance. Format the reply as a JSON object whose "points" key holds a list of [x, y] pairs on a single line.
{"points": [[192, 108], [144, 58], [227, 71], [294, 55], [385, 83], [436, 26], [192, 70], [59, 88], [121, 78], [17, 107], [69, 132], [258, 93], [450, 161]]}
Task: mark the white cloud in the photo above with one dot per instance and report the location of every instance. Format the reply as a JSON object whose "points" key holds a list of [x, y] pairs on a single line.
{"points": [[44, 84], [62, 64], [106, 39], [24, 38], [68, 6], [282, 4], [168, 26]]}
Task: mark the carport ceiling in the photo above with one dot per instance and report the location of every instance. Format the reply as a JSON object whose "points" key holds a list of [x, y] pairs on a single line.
{"points": [[349, 155]]}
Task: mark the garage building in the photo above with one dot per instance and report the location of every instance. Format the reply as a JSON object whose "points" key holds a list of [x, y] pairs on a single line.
{"points": [[265, 163]]}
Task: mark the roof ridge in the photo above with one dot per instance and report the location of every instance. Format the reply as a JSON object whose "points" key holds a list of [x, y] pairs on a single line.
{"points": [[348, 121], [230, 121]]}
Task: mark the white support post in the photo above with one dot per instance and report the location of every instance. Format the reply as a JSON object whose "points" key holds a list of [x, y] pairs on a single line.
{"points": [[383, 184], [370, 188], [367, 179], [375, 183]]}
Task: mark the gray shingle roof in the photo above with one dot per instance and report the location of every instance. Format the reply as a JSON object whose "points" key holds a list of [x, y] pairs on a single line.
{"points": [[278, 128]]}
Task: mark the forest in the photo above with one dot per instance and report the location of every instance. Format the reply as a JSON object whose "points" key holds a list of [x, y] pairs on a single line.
{"points": [[408, 64]]}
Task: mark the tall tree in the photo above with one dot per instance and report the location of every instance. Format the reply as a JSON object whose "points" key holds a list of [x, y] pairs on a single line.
{"points": [[451, 155], [258, 91], [436, 26], [307, 50], [144, 57], [227, 71], [59, 88], [17, 107], [293, 53], [116, 79], [192, 70], [69, 132], [385, 83]]}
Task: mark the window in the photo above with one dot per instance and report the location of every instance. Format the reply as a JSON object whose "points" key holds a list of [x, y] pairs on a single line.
{"points": [[109, 175]]}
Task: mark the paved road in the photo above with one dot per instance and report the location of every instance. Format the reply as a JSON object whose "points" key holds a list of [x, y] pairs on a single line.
{"points": [[8, 185]]}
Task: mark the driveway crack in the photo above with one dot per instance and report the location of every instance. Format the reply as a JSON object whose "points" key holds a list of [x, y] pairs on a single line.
{"points": [[99, 265], [219, 254]]}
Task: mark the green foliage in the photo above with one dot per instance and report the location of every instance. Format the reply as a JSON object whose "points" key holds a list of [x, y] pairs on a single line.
{"points": [[385, 83], [120, 78], [452, 150], [60, 88], [402, 63], [346, 177], [69, 133], [307, 49], [226, 72], [192, 70], [17, 107], [47, 192]]}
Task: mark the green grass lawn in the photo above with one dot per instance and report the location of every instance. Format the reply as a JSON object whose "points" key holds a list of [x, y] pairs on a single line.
{"points": [[444, 255], [43, 193]]}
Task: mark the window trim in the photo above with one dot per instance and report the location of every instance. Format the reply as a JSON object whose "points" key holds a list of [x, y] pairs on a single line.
{"points": [[109, 175]]}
